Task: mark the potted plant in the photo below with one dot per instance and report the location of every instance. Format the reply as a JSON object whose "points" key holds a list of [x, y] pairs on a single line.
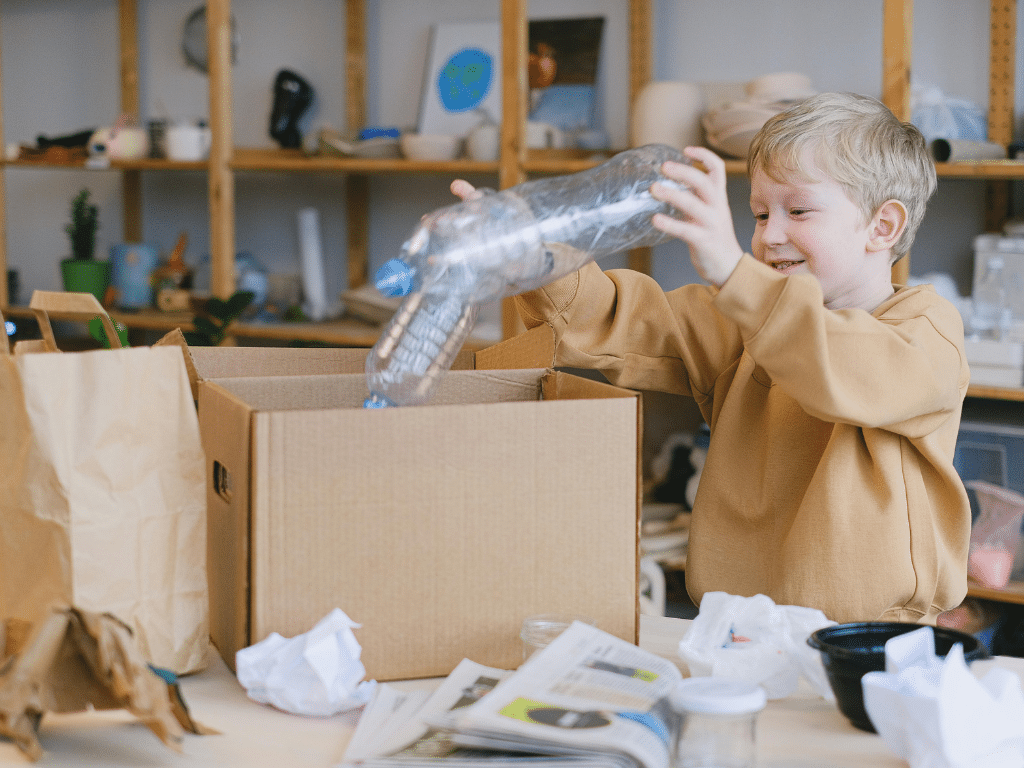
{"points": [[81, 272]]}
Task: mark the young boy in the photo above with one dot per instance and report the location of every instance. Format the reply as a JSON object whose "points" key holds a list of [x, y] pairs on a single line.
{"points": [[833, 397]]}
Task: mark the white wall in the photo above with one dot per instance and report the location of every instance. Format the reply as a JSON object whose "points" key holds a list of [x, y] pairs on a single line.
{"points": [[59, 65]]}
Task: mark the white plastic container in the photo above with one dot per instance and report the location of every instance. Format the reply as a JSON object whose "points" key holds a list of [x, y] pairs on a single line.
{"points": [[1011, 250], [717, 722]]}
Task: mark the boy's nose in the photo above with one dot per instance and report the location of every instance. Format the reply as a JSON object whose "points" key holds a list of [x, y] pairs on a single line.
{"points": [[773, 232]]}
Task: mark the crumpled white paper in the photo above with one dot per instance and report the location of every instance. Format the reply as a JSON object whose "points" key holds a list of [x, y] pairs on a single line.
{"points": [[317, 673], [934, 713], [753, 639]]}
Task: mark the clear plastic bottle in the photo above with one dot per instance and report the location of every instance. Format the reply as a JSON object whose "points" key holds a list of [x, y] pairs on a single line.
{"points": [[501, 244], [991, 312]]}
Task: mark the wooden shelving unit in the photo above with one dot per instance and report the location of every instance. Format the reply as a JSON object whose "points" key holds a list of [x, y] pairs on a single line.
{"points": [[226, 160]]}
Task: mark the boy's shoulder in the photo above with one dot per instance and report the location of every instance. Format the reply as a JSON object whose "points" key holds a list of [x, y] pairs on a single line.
{"points": [[912, 301]]}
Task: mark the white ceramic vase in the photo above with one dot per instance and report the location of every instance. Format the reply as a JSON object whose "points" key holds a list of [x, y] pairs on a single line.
{"points": [[668, 112]]}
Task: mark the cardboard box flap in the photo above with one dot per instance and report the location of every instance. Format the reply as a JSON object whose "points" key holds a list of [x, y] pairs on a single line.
{"points": [[533, 349], [176, 338], [205, 363], [323, 392], [558, 385]]}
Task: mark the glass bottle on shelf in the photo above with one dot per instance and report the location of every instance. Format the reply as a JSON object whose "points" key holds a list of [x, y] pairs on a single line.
{"points": [[991, 312]]}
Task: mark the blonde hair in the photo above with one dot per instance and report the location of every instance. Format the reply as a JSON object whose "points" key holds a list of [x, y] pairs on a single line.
{"points": [[858, 143]]}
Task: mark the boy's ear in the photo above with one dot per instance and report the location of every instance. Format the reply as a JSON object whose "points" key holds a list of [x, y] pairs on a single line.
{"points": [[887, 225]]}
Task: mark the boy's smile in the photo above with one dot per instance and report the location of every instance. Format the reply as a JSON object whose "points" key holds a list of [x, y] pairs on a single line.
{"points": [[813, 227]]}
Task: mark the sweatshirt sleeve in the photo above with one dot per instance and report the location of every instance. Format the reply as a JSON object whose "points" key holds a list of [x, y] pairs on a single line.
{"points": [[624, 324], [902, 368]]}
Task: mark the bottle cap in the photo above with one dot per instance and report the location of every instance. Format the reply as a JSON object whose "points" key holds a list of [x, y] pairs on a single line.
{"points": [[394, 278], [718, 696]]}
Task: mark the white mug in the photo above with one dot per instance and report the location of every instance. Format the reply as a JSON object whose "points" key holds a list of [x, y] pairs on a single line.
{"points": [[543, 136], [483, 142], [187, 142]]}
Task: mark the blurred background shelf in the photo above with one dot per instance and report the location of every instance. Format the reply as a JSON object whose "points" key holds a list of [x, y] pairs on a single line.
{"points": [[1012, 593], [340, 333]]}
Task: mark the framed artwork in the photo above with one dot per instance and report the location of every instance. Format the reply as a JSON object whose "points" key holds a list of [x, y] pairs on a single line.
{"points": [[563, 65], [463, 76]]}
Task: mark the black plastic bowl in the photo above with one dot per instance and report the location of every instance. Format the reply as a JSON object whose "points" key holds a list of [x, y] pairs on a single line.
{"points": [[850, 650]]}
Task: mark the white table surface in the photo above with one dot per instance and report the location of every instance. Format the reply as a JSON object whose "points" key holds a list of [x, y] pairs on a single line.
{"points": [[800, 731]]}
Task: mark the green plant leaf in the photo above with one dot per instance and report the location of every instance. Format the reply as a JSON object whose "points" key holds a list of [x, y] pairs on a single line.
{"points": [[239, 301], [217, 307], [98, 332], [206, 325]]}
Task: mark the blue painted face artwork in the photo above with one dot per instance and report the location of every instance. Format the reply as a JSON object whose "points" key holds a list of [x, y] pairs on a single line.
{"points": [[465, 79]]}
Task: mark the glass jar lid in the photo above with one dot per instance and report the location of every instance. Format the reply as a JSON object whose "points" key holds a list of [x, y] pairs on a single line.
{"points": [[718, 696]]}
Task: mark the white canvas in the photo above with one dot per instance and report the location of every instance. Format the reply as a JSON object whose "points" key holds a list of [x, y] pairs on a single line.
{"points": [[463, 75]]}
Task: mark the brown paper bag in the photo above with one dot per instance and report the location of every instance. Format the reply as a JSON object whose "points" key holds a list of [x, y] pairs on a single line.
{"points": [[102, 488]]}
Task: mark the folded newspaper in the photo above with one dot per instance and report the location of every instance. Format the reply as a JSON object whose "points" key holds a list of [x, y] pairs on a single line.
{"points": [[589, 698]]}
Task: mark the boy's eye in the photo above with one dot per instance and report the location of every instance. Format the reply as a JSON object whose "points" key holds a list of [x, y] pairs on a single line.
{"points": [[797, 211], [761, 217]]}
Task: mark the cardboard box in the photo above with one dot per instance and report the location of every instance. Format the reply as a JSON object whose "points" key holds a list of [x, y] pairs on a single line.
{"points": [[438, 528]]}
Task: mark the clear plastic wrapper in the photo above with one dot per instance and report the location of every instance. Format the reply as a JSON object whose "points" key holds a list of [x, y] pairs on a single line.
{"points": [[498, 245]]}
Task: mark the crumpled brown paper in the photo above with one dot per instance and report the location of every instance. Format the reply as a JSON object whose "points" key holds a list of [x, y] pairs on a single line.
{"points": [[75, 660]]}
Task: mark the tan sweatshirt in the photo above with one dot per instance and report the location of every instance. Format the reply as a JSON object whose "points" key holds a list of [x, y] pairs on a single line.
{"points": [[829, 482]]}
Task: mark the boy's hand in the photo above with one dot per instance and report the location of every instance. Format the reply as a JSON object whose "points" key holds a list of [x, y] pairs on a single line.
{"points": [[706, 224], [463, 190]]}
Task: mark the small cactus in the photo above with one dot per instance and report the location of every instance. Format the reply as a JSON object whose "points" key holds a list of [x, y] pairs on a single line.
{"points": [[82, 228]]}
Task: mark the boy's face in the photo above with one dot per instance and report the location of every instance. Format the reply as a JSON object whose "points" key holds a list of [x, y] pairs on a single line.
{"points": [[814, 228]]}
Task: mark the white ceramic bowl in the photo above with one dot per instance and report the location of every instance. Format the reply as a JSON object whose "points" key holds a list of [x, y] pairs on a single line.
{"points": [[431, 147]]}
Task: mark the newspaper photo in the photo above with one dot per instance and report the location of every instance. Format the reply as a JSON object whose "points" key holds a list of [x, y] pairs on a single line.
{"points": [[589, 698]]}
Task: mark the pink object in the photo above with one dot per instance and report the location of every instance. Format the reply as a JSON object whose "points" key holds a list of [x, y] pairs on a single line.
{"points": [[990, 566], [995, 535]]}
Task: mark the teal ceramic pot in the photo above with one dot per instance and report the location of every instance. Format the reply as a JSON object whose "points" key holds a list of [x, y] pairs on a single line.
{"points": [[132, 266]]}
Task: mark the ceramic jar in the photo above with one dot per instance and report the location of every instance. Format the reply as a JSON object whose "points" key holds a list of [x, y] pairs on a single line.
{"points": [[668, 112]]}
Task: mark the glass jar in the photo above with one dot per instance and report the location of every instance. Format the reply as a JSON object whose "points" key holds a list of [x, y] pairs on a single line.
{"points": [[717, 722], [538, 631]]}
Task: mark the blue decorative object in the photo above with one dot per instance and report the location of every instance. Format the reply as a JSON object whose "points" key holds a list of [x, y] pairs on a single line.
{"points": [[132, 264], [465, 79]]}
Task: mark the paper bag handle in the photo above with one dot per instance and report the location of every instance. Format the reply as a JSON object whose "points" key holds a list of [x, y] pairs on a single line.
{"points": [[73, 306], [5, 345]]}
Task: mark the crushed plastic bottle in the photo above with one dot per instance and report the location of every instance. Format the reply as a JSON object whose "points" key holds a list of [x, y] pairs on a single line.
{"points": [[501, 244]]}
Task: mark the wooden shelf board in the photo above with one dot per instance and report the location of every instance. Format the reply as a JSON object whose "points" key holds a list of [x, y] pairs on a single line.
{"points": [[995, 393], [117, 165], [1001, 169], [550, 162], [342, 333], [1011, 593], [255, 159]]}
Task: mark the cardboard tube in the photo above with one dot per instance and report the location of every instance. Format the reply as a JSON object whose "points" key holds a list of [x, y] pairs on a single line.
{"points": [[958, 151]]}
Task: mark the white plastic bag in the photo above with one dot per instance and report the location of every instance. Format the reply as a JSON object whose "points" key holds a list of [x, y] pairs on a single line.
{"points": [[939, 116], [753, 639]]}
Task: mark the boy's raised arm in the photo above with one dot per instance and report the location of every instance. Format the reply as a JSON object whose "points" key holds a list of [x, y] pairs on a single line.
{"points": [[707, 227]]}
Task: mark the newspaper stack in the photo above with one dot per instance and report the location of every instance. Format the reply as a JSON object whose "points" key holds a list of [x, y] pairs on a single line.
{"points": [[589, 698]]}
